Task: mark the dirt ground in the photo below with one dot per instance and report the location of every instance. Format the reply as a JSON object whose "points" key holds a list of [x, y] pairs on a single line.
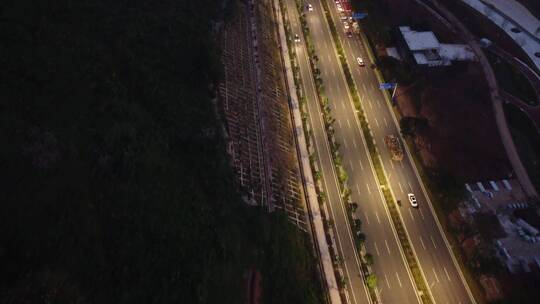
{"points": [[462, 136]]}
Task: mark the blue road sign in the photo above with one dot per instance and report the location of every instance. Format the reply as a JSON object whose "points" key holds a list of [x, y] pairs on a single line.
{"points": [[359, 15], [386, 85]]}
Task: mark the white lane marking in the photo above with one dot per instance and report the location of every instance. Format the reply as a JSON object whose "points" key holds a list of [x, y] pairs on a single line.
{"points": [[371, 105], [343, 106], [354, 142], [361, 166], [387, 283], [378, 219], [348, 123], [436, 276], [364, 86], [345, 144], [391, 164], [358, 189], [422, 242], [367, 218], [368, 190], [377, 248], [333, 73], [421, 214], [352, 166], [433, 241], [400, 188], [399, 281], [412, 216], [339, 123], [379, 104], [447, 274], [409, 185], [387, 247], [385, 122], [328, 55]]}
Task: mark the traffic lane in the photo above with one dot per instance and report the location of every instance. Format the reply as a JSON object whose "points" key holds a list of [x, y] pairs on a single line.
{"points": [[442, 255], [341, 95], [381, 241], [421, 226], [347, 252]]}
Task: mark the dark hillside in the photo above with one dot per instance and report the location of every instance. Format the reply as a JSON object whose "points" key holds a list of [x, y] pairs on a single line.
{"points": [[115, 187]]}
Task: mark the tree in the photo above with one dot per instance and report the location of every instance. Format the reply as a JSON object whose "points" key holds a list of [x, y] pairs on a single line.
{"points": [[369, 259], [358, 224], [354, 207], [371, 281]]}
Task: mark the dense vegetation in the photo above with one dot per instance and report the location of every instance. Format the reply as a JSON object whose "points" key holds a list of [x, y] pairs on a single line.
{"points": [[115, 183]]}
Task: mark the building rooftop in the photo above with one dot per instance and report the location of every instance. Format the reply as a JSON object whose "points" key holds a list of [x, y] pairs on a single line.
{"points": [[419, 41]]}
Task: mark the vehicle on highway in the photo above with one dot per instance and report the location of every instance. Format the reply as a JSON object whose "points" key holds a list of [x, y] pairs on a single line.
{"points": [[360, 61], [344, 18], [349, 34], [296, 38], [412, 200], [346, 25], [310, 7], [339, 8], [392, 142]]}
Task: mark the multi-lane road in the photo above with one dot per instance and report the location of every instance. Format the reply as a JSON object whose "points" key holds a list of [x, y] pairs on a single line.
{"points": [[395, 284]]}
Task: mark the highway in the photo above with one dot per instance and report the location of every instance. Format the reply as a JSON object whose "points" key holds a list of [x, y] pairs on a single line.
{"points": [[438, 265], [395, 284]]}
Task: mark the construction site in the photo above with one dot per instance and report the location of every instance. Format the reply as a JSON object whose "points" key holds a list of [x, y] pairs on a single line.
{"points": [[254, 102]]}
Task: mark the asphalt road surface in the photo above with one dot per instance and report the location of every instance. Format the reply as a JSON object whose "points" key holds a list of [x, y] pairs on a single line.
{"points": [[395, 284], [442, 275]]}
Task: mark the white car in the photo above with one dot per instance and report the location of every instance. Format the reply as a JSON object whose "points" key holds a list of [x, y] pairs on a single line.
{"points": [[360, 61], [346, 25], [339, 8], [310, 7], [412, 200]]}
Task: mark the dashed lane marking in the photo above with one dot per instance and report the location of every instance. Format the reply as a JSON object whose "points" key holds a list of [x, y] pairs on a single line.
{"points": [[399, 281], [387, 247], [436, 276], [412, 216], [378, 219], [422, 242], [448, 276], [387, 282], [433, 241]]}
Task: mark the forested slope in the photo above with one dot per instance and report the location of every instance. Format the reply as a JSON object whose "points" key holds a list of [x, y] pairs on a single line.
{"points": [[115, 186]]}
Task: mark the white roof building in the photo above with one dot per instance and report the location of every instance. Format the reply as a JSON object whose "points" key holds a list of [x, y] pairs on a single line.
{"points": [[426, 49]]}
